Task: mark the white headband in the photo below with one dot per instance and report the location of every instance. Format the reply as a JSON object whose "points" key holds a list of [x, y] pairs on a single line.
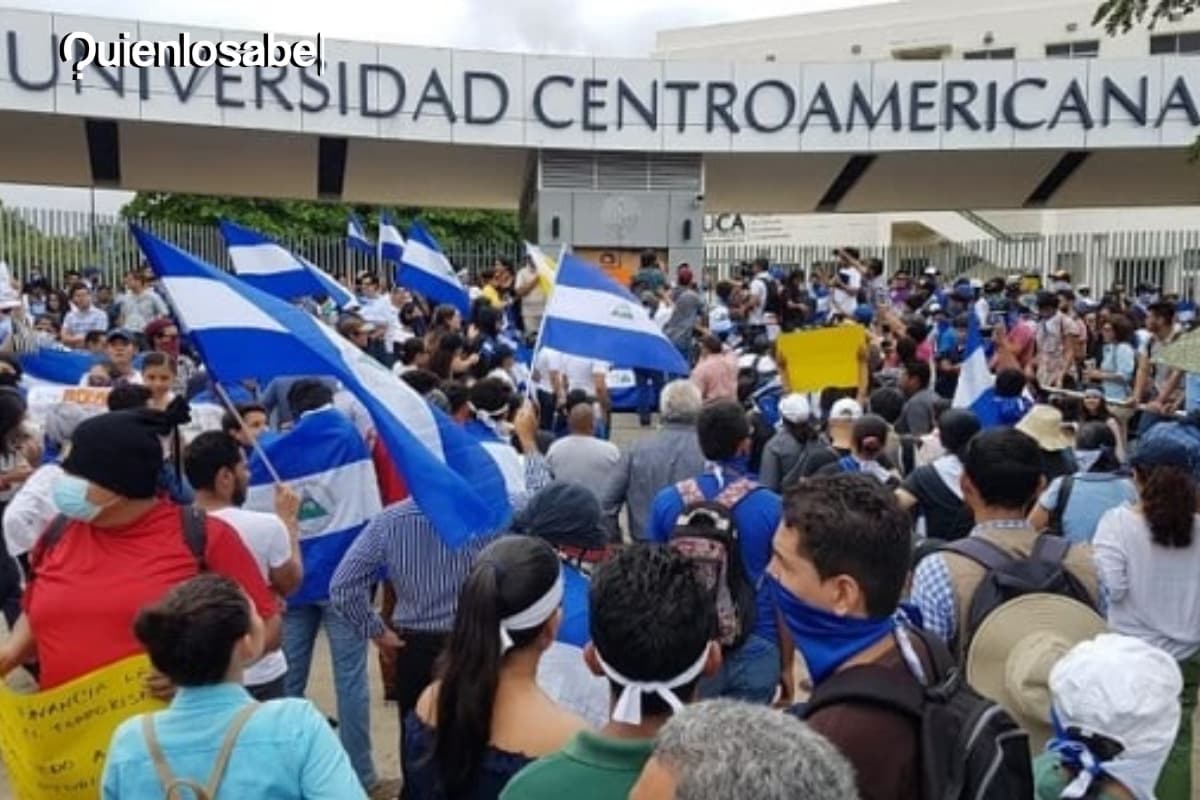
{"points": [[629, 704], [541, 610]]}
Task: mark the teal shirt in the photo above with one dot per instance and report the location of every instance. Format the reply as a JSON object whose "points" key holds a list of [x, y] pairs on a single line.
{"points": [[590, 767], [286, 750], [1050, 778]]}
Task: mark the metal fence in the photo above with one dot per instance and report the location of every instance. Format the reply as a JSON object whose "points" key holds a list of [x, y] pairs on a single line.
{"points": [[55, 242]]}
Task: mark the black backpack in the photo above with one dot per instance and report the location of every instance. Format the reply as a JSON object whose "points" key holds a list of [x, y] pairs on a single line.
{"points": [[707, 535], [971, 748], [1055, 525], [192, 520], [1008, 576], [810, 450]]}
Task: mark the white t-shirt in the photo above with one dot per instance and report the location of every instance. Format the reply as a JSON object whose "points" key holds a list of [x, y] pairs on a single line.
{"points": [[546, 361], [845, 302], [758, 290], [266, 537], [580, 371], [30, 510]]}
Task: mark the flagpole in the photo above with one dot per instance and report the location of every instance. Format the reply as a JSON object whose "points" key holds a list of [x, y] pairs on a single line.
{"points": [[215, 380], [537, 344]]}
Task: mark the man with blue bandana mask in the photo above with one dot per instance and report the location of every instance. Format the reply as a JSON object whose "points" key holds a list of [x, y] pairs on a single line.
{"points": [[839, 563]]}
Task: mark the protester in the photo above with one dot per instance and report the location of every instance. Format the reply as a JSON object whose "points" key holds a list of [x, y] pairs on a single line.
{"points": [[651, 640], [158, 375], [1157, 385], [1044, 424], [139, 305], [919, 413], [162, 336], [1073, 505], [716, 373], [1148, 556], [868, 438], [580, 457], [249, 423], [752, 670], [723, 749], [82, 318], [840, 427], [933, 492], [839, 563], [118, 548], [1115, 717], [15, 469], [1002, 477], [485, 718], [794, 447], [120, 349], [1118, 360], [1057, 340], [667, 456], [202, 635]]}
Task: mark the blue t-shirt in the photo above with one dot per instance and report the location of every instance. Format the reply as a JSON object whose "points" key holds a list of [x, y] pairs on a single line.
{"points": [[574, 629], [1092, 494], [756, 517]]}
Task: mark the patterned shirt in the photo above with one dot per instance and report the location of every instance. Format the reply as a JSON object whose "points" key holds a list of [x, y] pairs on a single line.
{"points": [[426, 573]]}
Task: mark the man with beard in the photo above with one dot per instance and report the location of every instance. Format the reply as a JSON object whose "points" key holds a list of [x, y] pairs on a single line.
{"points": [[216, 467]]}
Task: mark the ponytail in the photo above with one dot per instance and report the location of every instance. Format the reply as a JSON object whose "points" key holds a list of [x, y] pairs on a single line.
{"points": [[1168, 496], [508, 576]]}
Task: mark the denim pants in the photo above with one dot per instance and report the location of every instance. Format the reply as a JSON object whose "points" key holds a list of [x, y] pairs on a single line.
{"points": [[649, 384], [750, 673], [348, 650]]}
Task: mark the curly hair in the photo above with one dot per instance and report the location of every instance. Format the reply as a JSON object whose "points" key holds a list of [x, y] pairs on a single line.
{"points": [[1168, 496]]}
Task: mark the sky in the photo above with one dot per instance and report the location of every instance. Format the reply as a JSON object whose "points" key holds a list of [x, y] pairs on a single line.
{"points": [[572, 27]]}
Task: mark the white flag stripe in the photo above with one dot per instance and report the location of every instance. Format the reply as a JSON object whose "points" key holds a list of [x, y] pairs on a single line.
{"points": [[420, 256], [262, 259], [593, 307], [350, 494], [205, 303]]}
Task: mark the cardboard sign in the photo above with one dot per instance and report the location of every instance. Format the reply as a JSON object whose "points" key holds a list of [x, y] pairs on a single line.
{"points": [[53, 743]]}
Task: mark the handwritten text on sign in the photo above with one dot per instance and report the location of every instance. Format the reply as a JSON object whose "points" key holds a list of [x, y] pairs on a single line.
{"points": [[53, 743]]}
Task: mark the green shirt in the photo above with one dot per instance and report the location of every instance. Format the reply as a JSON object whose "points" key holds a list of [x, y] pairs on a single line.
{"points": [[590, 767], [1050, 778]]}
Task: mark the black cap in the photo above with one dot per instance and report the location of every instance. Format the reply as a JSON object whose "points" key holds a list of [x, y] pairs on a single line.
{"points": [[565, 515], [119, 333], [122, 450]]}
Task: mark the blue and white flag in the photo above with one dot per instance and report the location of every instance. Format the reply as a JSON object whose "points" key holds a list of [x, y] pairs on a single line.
{"points": [[342, 297], [391, 243], [976, 385], [562, 672], [426, 270], [324, 460], [243, 333], [589, 314], [55, 366], [356, 235], [268, 265]]}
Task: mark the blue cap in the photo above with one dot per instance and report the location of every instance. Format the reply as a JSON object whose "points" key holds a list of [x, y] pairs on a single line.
{"points": [[1162, 451], [119, 333], [864, 314]]}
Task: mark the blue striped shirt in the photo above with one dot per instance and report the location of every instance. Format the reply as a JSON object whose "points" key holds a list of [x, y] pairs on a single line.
{"points": [[426, 573]]}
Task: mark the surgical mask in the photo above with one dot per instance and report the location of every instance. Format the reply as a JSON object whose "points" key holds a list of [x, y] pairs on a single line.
{"points": [[825, 640], [70, 498]]}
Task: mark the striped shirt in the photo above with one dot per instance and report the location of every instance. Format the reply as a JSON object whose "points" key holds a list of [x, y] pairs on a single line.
{"points": [[426, 573]]}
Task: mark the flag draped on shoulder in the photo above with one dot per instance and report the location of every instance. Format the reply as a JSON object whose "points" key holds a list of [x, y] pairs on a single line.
{"points": [[356, 235], [325, 461], [245, 333], [589, 314], [391, 243], [976, 386], [426, 270]]}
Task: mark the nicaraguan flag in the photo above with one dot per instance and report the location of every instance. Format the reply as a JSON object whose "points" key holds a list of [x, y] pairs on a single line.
{"points": [[342, 297], [245, 333], [391, 243], [324, 460], [49, 365], [589, 314], [562, 672], [356, 235], [268, 265], [425, 269], [976, 385]]}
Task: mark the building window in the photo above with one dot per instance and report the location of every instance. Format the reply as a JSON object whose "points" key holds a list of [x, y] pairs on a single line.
{"points": [[1134, 271], [1168, 44], [933, 53], [997, 54], [1086, 49]]}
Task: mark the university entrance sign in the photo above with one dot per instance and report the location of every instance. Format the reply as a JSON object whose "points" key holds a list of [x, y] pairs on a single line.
{"points": [[425, 94]]}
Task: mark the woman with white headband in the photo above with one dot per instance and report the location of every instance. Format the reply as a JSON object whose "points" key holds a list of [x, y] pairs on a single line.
{"points": [[485, 717]]}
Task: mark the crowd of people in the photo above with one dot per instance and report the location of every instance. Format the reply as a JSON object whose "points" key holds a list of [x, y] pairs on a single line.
{"points": [[992, 600]]}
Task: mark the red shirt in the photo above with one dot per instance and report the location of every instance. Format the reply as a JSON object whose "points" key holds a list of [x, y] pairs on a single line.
{"points": [[89, 587]]}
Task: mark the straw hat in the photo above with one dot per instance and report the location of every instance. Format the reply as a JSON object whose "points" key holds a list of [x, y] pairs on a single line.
{"points": [[1044, 424], [1015, 648]]}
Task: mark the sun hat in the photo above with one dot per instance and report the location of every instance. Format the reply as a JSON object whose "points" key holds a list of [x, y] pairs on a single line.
{"points": [[1043, 424], [1015, 648]]}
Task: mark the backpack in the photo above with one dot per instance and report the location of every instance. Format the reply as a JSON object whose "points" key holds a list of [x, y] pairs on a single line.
{"points": [[1008, 576], [192, 520], [706, 534], [800, 470], [173, 786], [1055, 526], [971, 748]]}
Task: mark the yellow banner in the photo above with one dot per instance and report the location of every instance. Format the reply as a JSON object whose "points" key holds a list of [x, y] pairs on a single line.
{"points": [[53, 743], [821, 358]]}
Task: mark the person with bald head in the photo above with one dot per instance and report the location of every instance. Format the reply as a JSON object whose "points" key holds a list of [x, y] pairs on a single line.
{"points": [[579, 457]]}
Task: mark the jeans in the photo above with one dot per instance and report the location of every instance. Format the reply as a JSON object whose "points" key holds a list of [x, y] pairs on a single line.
{"points": [[649, 384], [750, 673], [348, 650]]}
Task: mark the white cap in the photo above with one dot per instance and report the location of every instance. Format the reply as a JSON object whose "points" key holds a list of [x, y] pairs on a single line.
{"points": [[976, 283], [846, 408], [1127, 690], [931, 270], [795, 408]]}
